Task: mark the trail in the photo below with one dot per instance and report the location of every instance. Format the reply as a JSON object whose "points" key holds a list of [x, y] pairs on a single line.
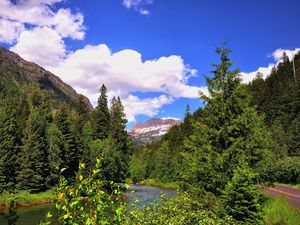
{"points": [[292, 195]]}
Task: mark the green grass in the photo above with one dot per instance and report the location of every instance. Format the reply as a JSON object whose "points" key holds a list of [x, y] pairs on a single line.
{"points": [[155, 183], [278, 212], [24, 198]]}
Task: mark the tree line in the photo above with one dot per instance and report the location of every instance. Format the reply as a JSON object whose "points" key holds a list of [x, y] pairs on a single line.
{"points": [[37, 141]]}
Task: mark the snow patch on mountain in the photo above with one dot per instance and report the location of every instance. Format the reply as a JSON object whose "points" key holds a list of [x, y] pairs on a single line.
{"points": [[152, 129]]}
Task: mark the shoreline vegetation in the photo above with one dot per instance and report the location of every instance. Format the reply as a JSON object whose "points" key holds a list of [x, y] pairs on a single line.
{"points": [[24, 198], [156, 183]]}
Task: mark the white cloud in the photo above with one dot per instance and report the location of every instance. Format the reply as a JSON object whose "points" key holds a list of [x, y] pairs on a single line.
{"points": [[43, 46], [10, 30], [170, 118], [138, 5], [124, 73], [39, 13], [248, 77], [265, 71], [148, 106], [278, 53]]}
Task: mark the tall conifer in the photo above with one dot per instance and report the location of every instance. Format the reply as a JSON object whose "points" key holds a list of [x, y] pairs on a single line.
{"points": [[101, 116]]}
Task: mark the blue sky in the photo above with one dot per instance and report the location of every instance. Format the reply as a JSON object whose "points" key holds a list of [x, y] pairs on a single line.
{"points": [[165, 47]]}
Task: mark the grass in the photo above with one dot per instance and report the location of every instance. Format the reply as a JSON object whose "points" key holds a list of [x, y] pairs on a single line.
{"points": [[24, 198], [155, 183], [278, 212]]}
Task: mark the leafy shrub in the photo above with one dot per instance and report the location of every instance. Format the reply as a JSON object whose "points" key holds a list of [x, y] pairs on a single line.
{"points": [[288, 170]]}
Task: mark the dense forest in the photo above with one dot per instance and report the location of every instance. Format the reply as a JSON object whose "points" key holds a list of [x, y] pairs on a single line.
{"points": [[38, 141], [245, 137], [276, 100]]}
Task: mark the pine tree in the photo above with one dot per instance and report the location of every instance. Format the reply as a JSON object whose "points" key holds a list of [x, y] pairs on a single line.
{"points": [[242, 199], [55, 151], [122, 150], [70, 152], [10, 141], [87, 139], [34, 169], [80, 119], [229, 130], [101, 116]]}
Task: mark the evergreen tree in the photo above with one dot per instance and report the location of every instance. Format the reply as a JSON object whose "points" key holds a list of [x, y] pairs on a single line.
{"points": [[122, 151], [79, 122], [87, 139], [34, 167], [101, 116], [229, 130], [242, 198], [70, 153], [10, 141], [55, 151]]}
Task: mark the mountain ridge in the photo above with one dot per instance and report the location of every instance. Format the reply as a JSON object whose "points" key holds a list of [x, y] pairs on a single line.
{"points": [[16, 71], [152, 130]]}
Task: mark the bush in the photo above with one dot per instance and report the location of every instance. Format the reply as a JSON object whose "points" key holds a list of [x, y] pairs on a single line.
{"points": [[242, 199], [288, 170], [183, 209]]}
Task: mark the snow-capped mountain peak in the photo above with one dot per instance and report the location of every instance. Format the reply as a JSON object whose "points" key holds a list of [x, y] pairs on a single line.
{"points": [[152, 129]]}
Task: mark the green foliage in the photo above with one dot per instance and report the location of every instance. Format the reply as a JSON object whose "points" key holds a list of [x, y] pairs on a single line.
{"points": [[34, 167], [288, 170], [101, 116], [278, 98], [277, 211], [122, 146], [88, 201], [70, 153], [182, 209], [229, 131], [10, 141], [242, 199], [55, 151]]}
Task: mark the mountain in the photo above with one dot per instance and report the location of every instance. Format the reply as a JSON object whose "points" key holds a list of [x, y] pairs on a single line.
{"points": [[15, 72], [152, 129]]}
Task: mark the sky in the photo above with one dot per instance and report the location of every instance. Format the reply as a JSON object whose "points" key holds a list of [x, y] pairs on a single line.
{"points": [[154, 54]]}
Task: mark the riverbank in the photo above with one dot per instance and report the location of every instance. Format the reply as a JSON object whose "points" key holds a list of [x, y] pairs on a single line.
{"points": [[24, 198], [155, 183]]}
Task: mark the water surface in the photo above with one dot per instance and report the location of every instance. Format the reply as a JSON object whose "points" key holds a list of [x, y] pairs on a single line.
{"points": [[146, 195]]}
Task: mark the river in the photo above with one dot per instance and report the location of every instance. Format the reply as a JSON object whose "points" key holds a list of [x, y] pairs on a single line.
{"points": [[145, 194]]}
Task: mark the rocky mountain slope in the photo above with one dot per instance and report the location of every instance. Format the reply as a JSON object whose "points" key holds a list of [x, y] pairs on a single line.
{"points": [[152, 130], [15, 72]]}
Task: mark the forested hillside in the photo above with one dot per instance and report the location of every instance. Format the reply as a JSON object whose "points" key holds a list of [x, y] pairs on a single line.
{"points": [[15, 73], [219, 156], [36, 143], [277, 100]]}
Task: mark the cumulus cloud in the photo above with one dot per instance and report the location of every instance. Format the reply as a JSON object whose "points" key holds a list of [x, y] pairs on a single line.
{"points": [[47, 49], [277, 54], [265, 71], [10, 30], [38, 13], [138, 5], [149, 106], [124, 73]]}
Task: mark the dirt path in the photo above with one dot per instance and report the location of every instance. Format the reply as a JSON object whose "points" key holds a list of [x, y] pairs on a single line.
{"points": [[292, 195]]}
